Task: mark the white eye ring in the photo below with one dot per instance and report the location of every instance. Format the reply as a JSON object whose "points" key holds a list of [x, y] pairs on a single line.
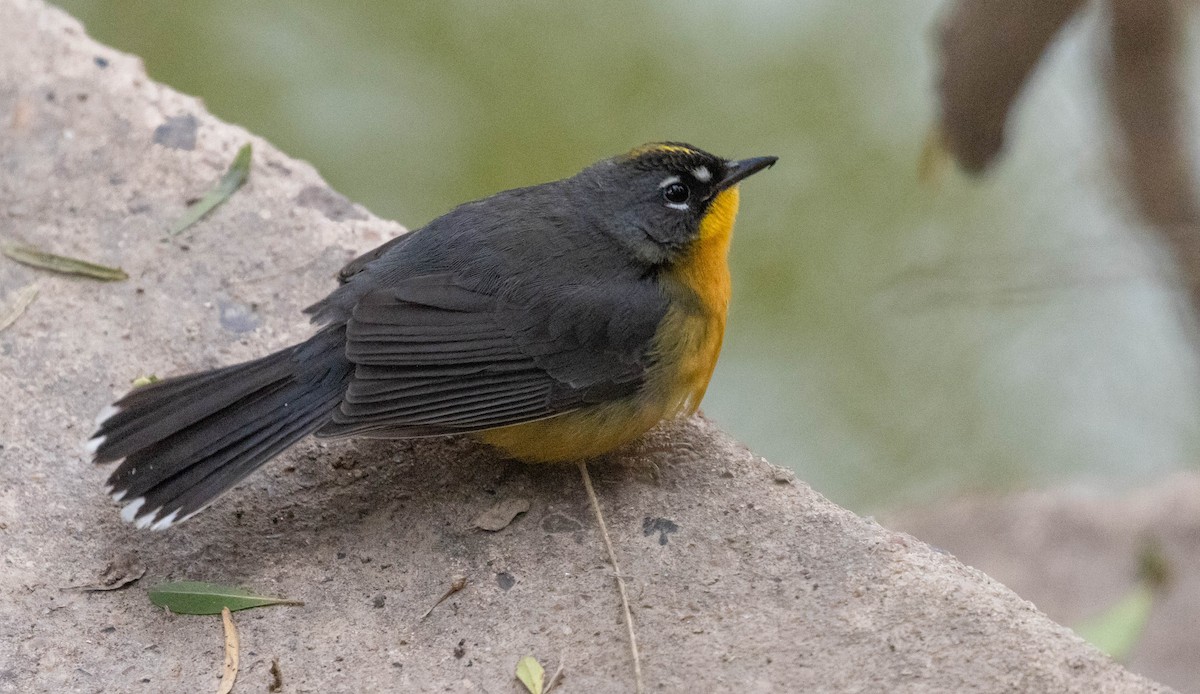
{"points": [[676, 196]]}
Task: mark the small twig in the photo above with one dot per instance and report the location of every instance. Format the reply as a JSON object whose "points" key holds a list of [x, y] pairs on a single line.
{"points": [[230, 671], [612, 557], [458, 584], [554, 679]]}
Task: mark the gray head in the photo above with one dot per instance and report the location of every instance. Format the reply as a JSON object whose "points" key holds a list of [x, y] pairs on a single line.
{"points": [[655, 198]]}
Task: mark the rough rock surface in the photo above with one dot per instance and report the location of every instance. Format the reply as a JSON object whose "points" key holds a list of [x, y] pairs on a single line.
{"points": [[1074, 554], [741, 578]]}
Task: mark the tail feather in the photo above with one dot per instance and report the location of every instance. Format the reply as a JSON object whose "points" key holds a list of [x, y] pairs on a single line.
{"points": [[182, 453], [142, 418], [184, 441]]}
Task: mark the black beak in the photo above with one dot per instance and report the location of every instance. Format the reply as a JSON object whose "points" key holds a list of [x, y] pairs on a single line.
{"points": [[735, 171]]}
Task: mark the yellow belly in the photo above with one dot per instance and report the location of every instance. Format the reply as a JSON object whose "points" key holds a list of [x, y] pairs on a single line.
{"points": [[686, 347], [576, 435]]}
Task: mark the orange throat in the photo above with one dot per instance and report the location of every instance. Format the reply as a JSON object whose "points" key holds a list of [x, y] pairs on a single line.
{"points": [[689, 342], [705, 267], [686, 346]]}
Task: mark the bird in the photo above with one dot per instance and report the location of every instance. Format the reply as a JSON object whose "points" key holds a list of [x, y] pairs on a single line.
{"points": [[555, 322]]}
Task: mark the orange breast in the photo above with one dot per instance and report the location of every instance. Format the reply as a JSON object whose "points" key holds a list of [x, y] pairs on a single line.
{"points": [[689, 342], [686, 347]]}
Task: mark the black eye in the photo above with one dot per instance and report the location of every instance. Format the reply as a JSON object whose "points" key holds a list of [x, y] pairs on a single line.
{"points": [[676, 193]]}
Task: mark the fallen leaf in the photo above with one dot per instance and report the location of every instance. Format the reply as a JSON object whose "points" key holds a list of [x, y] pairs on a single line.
{"points": [[1117, 630], [457, 584], [28, 255], [233, 179], [501, 515], [276, 677], [230, 670], [119, 573], [196, 597], [20, 301], [531, 674]]}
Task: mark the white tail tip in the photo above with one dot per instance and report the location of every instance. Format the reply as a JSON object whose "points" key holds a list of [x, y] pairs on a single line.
{"points": [[130, 512], [166, 521], [106, 414], [94, 445]]}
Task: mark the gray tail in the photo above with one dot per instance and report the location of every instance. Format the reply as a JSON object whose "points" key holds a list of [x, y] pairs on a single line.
{"points": [[185, 441]]}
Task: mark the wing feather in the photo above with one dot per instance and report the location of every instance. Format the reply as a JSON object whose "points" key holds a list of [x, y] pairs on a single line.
{"points": [[434, 357]]}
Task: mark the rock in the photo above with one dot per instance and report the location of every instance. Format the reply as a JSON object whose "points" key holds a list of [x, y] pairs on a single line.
{"points": [[760, 586], [1075, 554]]}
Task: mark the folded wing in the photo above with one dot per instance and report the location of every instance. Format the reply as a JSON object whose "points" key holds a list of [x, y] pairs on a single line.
{"points": [[434, 357]]}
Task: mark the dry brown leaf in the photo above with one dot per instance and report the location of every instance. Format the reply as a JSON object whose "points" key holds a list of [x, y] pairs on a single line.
{"points": [[501, 515], [988, 50], [456, 584], [20, 301], [230, 670]]}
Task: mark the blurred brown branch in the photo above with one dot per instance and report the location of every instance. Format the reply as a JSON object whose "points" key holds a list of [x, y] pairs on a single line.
{"points": [[990, 47], [988, 50], [1146, 96]]}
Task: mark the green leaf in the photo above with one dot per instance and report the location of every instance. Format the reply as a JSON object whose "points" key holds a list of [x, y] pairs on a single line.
{"points": [[29, 255], [195, 597], [233, 179], [531, 674], [1117, 630]]}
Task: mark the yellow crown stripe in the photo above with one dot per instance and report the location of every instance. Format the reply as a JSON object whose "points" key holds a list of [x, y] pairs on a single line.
{"points": [[659, 148]]}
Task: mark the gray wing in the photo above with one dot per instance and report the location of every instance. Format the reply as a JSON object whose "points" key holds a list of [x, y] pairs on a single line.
{"points": [[360, 263], [434, 357]]}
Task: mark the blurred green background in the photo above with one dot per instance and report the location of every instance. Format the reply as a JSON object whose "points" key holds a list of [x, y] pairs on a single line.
{"points": [[892, 342]]}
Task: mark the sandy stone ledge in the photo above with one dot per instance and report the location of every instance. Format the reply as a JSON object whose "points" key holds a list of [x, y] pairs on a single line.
{"points": [[742, 579], [1074, 552]]}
